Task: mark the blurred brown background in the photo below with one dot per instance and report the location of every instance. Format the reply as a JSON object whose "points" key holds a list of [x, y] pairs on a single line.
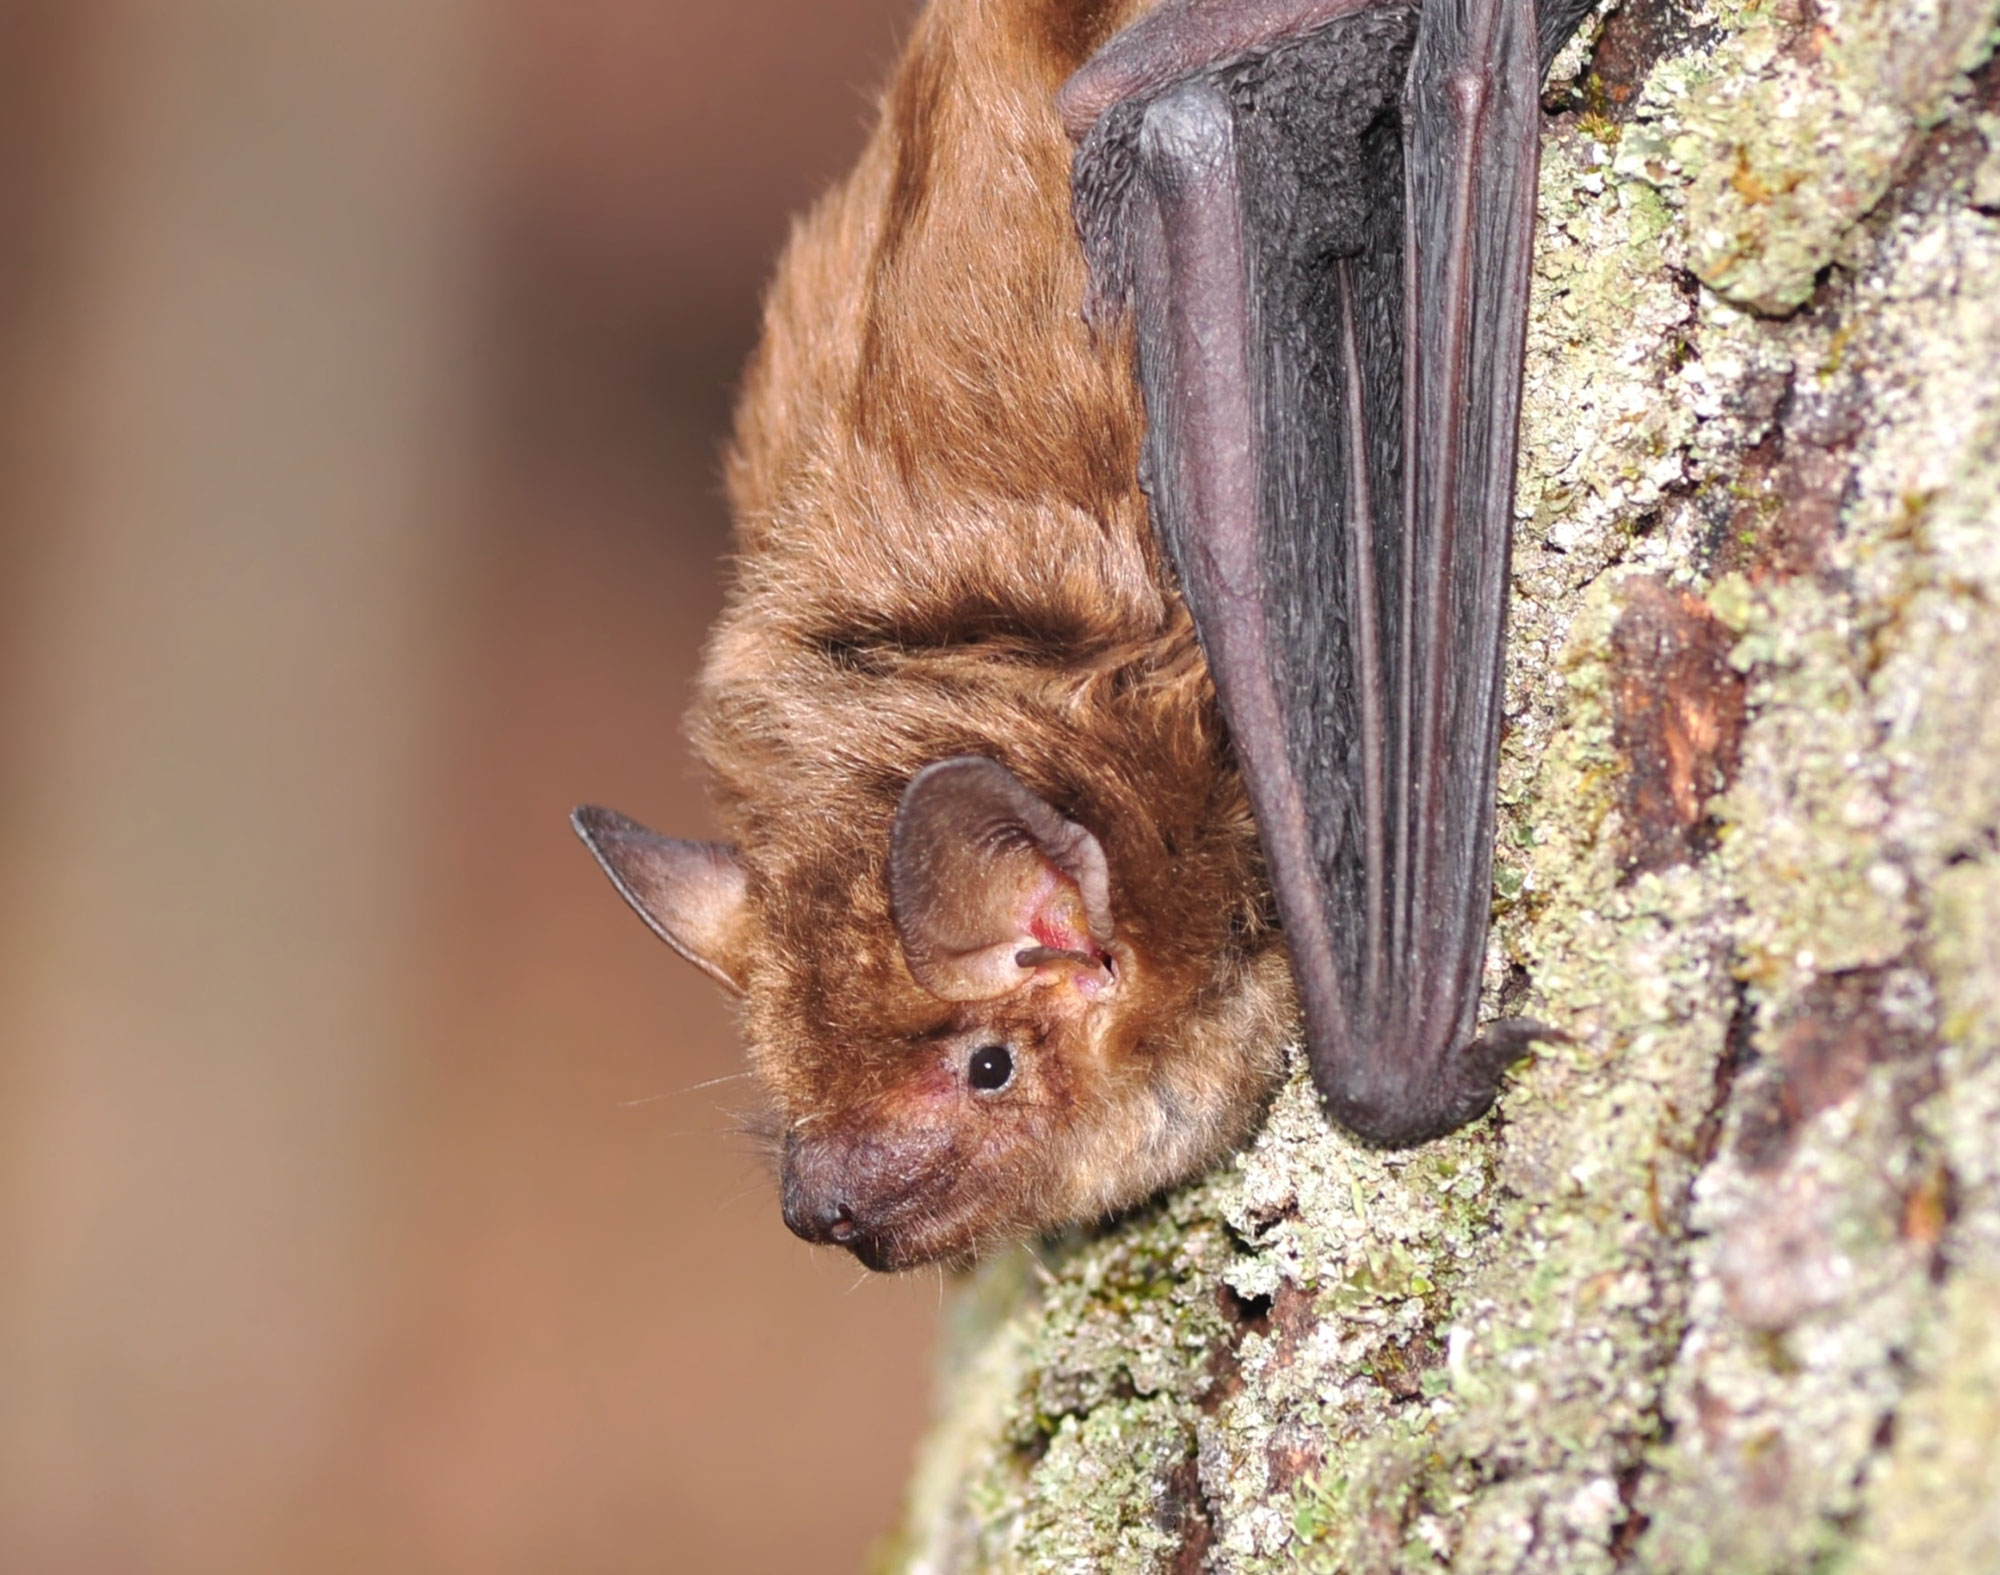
{"points": [[362, 370]]}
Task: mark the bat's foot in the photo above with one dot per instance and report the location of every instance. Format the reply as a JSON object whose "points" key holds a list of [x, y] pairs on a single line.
{"points": [[1406, 1108]]}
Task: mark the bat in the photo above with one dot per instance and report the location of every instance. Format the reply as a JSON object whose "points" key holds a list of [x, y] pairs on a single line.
{"points": [[1111, 673]]}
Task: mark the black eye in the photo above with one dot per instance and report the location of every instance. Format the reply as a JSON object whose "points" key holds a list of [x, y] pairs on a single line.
{"points": [[991, 1067]]}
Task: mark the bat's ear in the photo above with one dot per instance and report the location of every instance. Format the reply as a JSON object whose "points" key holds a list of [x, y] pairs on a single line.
{"points": [[691, 894], [988, 882]]}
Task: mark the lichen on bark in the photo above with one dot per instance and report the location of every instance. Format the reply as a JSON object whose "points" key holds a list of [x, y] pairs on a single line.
{"points": [[1712, 1289]]}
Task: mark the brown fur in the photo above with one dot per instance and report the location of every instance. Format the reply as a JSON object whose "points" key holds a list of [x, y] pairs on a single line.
{"points": [[943, 550]]}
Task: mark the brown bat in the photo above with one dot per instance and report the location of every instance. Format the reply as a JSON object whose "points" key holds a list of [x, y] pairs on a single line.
{"points": [[1018, 878]]}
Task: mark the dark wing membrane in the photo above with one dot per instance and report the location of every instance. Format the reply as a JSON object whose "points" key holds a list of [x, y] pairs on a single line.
{"points": [[1555, 20], [1471, 143], [1325, 253]]}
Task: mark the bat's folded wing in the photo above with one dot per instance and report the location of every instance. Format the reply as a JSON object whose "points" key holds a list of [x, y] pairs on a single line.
{"points": [[1324, 249]]}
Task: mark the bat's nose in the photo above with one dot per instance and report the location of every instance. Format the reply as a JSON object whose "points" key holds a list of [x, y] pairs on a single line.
{"points": [[818, 1215], [817, 1200]]}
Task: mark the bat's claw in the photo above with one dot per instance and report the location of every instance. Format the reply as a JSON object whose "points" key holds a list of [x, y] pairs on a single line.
{"points": [[1508, 1039], [1480, 1066]]}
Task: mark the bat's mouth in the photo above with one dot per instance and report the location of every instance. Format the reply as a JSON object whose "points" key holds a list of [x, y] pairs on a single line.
{"points": [[889, 1250], [924, 1224], [884, 1254], [916, 1230]]}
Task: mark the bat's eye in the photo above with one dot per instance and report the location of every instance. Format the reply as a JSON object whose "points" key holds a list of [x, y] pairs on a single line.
{"points": [[990, 1069]]}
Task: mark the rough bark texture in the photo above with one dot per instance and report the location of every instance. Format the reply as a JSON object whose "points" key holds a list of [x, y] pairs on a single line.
{"points": [[1713, 1290]]}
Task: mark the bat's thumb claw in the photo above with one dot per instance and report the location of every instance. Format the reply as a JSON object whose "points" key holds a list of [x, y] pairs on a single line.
{"points": [[1476, 1070], [1509, 1039], [1504, 1043]]}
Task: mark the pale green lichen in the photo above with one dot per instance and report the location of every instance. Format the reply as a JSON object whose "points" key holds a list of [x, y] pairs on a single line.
{"points": [[1937, 1505], [1986, 179], [1796, 134], [1863, 776], [1614, 1328], [1114, 1335]]}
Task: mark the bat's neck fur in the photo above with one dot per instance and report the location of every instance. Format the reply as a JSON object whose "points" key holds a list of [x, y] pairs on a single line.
{"points": [[943, 550]]}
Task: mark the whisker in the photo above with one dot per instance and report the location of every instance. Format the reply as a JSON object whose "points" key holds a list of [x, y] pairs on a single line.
{"points": [[717, 1082], [675, 1093]]}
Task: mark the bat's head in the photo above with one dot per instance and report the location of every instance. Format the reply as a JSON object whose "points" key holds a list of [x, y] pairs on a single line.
{"points": [[962, 1042]]}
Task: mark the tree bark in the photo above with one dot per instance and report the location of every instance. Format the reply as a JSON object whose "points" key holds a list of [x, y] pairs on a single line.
{"points": [[1713, 1289]]}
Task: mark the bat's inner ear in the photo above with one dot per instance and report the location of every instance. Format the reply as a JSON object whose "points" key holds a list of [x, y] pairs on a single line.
{"points": [[692, 894], [989, 883]]}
